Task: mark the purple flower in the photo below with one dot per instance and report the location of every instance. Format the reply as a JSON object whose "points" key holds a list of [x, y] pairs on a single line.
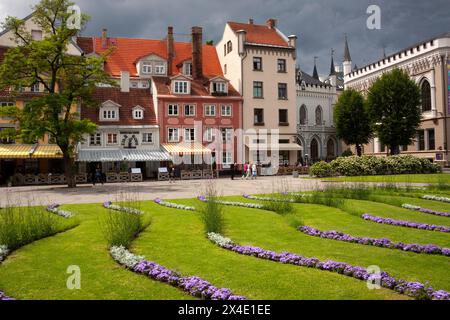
{"points": [[404, 223], [158, 200], [202, 198]]}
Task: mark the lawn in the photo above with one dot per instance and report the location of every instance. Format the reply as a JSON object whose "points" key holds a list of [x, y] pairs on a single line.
{"points": [[437, 178], [176, 239]]}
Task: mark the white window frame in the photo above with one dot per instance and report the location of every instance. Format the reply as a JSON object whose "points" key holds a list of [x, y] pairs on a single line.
{"points": [[147, 67], [97, 137], [181, 87], [175, 107], [192, 107], [187, 68], [109, 114], [209, 110], [160, 67], [112, 135], [209, 134], [227, 157], [174, 130], [221, 87], [228, 110], [138, 113], [145, 136], [228, 134], [189, 134], [35, 87]]}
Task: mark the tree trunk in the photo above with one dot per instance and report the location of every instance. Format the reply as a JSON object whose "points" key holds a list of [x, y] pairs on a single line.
{"points": [[359, 150], [69, 166], [395, 150]]}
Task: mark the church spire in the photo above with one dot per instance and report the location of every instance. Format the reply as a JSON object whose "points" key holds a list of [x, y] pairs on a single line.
{"points": [[332, 68], [315, 74], [346, 51]]}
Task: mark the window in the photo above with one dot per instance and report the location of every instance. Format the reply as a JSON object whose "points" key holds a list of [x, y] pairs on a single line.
{"points": [[303, 115], [257, 89], [209, 134], [7, 104], [210, 110], [109, 114], [225, 68], [257, 63], [160, 68], [189, 110], [147, 137], [181, 87], [219, 87], [426, 96], [35, 87], [225, 49], [283, 116], [95, 139], [189, 134], [187, 68], [227, 158], [226, 111], [431, 139], [229, 46], [138, 114], [421, 139], [36, 35], [112, 138], [146, 67], [227, 134], [281, 66], [258, 116], [172, 110], [319, 116], [174, 135], [282, 91]]}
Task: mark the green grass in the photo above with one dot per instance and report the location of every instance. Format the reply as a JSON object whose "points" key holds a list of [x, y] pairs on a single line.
{"points": [[176, 240], [437, 178]]}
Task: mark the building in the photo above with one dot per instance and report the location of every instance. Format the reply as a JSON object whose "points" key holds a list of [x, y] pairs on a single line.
{"points": [[259, 61], [172, 94], [315, 128], [428, 64]]}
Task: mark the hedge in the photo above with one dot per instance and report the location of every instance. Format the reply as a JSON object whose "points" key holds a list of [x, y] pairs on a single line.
{"points": [[371, 165]]}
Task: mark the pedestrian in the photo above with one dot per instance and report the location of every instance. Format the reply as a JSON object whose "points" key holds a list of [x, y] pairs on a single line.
{"points": [[244, 174], [98, 176], [254, 172], [232, 166], [171, 174], [249, 170]]}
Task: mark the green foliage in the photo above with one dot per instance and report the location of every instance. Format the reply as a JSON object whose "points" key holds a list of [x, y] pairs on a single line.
{"points": [[347, 153], [394, 108], [352, 120], [121, 228], [371, 165], [212, 212], [321, 169]]}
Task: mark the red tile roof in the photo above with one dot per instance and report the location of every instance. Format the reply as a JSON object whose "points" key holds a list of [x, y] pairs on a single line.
{"points": [[128, 51], [198, 88], [127, 101], [259, 34]]}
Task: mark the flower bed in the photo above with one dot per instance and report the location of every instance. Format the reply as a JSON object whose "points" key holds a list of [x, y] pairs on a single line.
{"points": [[193, 285], [267, 198], [110, 205], [436, 198], [416, 290], [173, 205], [429, 211], [3, 252], [236, 204], [383, 242], [4, 297], [54, 208], [404, 223]]}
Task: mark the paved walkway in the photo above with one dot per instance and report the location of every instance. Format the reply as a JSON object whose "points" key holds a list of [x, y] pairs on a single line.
{"points": [[42, 195]]}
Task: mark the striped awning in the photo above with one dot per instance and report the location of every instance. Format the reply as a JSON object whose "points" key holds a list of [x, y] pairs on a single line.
{"points": [[186, 148], [113, 155], [16, 151], [277, 146], [47, 152]]}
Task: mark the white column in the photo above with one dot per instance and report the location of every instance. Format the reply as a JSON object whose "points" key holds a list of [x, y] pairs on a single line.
{"points": [[433, 93]]}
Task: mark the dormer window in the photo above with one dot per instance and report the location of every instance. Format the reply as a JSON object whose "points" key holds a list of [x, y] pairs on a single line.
{"points": [[187, 68], [181, 87], [138, 113], [146, 67], [220, 87], [109, 111], [160, 68]]}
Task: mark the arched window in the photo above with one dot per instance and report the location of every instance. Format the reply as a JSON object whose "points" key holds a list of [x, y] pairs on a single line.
{"points": [[314, 150], [319, 115], [331, 152], [303, 114], [229, 46], [426, 96]]}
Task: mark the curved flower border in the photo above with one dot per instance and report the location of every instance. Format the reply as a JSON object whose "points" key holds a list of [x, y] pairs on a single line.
{"points": [[436, 198], [248, 196], [193, 285], [54, 208], [173, 205], [404, 223], [424, 210], [4, 251], [235, 204], [382, 242], [110, 205], [416, 290]]}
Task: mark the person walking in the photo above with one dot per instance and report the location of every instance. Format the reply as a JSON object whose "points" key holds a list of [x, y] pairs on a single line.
{"points": [[232, 168], [254, 172], [249, 171], [171, 174], [244, 175]]}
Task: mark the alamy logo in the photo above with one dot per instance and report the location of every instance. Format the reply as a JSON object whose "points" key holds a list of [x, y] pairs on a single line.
{"points": [[74, 280], [374, 280], [374, 19], [74, 20]]}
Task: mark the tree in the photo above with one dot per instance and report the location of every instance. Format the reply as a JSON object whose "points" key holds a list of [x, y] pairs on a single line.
{"points": [[351, 119], [67, 79], [394, 108]]}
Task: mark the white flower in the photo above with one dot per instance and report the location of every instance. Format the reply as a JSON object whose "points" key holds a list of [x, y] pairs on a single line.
{"points": [[175, 205], [219, 239], [62, 213], [410, 206], [436, 198], [125, 209], [3, 252], [125, 257]]}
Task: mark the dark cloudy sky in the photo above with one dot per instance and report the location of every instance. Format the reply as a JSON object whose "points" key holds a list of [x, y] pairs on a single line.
{"points": [[319, 24]]}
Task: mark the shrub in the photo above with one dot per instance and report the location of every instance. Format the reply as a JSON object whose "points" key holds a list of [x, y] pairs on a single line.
{"points": [[280, 204], [321, 169], [212, 211], [347, 153]]}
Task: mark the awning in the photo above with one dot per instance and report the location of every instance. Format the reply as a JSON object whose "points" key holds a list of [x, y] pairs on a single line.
{"points": [[279, 146], [16, 151], [112, 155], [47, 152], [186, 148]]}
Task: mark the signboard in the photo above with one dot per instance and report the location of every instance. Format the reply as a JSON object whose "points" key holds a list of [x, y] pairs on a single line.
{"points": [[163, 170], [136, 170]]}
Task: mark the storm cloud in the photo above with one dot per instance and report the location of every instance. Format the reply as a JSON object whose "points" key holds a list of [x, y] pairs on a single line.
{"points": [[319, 24]]}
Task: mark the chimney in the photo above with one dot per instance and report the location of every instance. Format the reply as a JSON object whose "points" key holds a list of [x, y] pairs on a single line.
{"points": [[170, 50], [242, 37], [124, 81], [293, 43], [104, 38], [250, 21], [271, 23], [197, 43]]}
